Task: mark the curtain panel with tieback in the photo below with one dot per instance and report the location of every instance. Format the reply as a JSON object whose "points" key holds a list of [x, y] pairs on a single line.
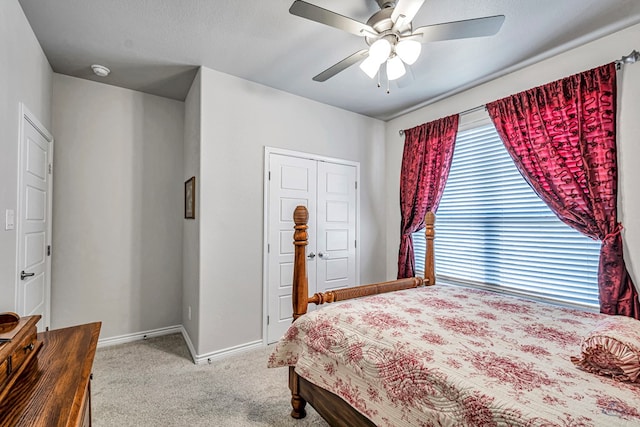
{"points": [[562, 138], [426, 160]]}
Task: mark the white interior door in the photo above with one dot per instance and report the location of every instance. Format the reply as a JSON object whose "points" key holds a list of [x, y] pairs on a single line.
{"points": [[292, 182], [336, 241], [328, 190], [34, 220]]}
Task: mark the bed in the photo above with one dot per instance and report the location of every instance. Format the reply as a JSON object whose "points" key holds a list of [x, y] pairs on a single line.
{"points": [[407, 353]]}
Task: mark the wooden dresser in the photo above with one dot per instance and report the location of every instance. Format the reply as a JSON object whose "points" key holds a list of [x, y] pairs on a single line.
{"points": [[21, 348], [54, 390]]}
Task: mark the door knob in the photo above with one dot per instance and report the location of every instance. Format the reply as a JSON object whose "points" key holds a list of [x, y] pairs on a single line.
{"points": [[323, 255], [311, 255], [24, 275]]}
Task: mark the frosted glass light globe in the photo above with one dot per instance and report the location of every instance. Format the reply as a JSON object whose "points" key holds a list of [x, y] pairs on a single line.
{"points": [[379, 51], [395, 68], [408, 50], [370, 67]]}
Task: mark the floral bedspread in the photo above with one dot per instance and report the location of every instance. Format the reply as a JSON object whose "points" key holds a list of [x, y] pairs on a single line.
{"points": [[450, 356]]}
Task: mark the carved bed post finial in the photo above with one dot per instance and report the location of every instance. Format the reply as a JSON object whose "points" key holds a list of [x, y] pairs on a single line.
{"points": [[300, 293], [429, 262]]}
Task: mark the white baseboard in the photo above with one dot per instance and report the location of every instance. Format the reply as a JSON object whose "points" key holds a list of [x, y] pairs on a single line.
{"points": [[187, 339], [219, 354], [121, 339], [197, 358]]}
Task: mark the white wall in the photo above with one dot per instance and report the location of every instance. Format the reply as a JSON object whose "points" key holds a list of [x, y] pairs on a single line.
{"points": [[629, 157], [592, 55], [240, 118], [117, 208], [25, 76], [191, 227]]}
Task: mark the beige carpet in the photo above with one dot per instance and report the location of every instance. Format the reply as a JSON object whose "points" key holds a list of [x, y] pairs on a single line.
{"points": [[155, 383]]}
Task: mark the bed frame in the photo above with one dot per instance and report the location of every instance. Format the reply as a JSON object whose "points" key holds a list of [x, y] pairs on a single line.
{"points": [[332, 408]]}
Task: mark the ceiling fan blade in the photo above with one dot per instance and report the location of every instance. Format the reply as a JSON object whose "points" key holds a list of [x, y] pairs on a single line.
{"points": [[406, 8], [478, 27], [341, 66], [327, 17], [406, 80]]}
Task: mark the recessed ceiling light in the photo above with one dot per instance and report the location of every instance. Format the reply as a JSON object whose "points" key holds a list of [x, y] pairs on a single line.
{"points": [[100, 70]]}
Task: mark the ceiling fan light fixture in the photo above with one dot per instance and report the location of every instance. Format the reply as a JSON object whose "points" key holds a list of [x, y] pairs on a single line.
{"points": [[380, 50], [370, 67], [391, 35], [408, 50], [395, 68]]}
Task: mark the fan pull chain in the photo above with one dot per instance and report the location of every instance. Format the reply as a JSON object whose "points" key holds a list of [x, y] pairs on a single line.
{"points": [[380, 84]]}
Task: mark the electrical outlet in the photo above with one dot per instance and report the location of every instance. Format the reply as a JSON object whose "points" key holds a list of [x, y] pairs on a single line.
{"points": [[10, 220]]}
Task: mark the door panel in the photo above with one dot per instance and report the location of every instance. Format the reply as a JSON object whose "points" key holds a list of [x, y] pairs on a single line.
{"points": [[337, 240], [34, 291], [292, 183], [337, 211], [35, 204], [295, 177], [34, 229], [34, 250], [36, 159], [336, 267]]}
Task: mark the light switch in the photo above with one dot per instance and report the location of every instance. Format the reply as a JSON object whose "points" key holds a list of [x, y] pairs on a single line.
{"points": [[10, 220]]}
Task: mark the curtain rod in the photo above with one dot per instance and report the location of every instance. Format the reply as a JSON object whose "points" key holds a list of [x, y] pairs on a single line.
{"points": [[632, 58], [462, 113]]}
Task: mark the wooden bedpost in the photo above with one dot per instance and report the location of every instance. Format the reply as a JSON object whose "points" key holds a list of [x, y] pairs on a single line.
{"points": [[298, 404], [300, 295], [429, 262], [299, 298]]}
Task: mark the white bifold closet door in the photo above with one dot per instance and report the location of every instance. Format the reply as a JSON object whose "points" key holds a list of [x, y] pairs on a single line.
{"points": [[328, 190]]}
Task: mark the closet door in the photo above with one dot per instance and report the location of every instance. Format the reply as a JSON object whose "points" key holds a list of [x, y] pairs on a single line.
{"points": [[292, 182], [336, 213], [328, 190]]}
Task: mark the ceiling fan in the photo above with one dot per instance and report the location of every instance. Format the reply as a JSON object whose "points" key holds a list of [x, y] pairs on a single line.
{"points": [[390, 35]]}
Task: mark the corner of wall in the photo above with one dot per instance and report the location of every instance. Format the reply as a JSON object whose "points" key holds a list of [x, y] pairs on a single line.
{"points": [[191, 227]]}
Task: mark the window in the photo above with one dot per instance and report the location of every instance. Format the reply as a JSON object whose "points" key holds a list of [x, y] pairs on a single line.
{"points": [[493, 231]]}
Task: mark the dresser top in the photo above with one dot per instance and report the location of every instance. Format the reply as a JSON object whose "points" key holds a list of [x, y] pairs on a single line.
{"points": [[50, 392]]}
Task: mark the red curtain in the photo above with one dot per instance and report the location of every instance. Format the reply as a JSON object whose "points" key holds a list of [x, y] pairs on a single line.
{"points": [[562, 138], [428, 150]]}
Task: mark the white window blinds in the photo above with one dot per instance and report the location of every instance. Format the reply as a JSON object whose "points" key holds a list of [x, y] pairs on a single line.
{"points": [[493, 231]]}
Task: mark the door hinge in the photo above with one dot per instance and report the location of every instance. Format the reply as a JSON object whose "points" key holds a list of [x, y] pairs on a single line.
{"points": [[48, 250], [356, 185], [269, 175], [268, 248], [355, 243], [268, 320], [50, 168]]}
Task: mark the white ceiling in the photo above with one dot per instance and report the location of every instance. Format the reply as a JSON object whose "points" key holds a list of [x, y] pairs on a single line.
{"points": [[155, 46]]}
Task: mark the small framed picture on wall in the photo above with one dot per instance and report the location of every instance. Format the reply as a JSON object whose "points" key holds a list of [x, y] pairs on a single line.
{"points": [[190, 198]]}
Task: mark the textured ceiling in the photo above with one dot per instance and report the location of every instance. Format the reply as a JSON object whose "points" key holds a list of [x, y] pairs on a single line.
{"points": [[156, 46]]}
